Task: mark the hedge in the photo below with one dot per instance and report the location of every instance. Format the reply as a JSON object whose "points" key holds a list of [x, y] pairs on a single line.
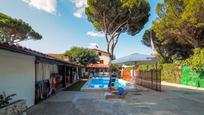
{"points": [[169, 72], [192, 77], [149, 66]]}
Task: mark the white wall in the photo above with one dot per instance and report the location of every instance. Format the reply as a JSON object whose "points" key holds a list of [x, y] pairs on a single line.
{"points": [[17, 75], [105, 58]]}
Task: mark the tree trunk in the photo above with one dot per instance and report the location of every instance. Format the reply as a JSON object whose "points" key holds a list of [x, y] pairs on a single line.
{"points": [[108, 41], [113, 35], [111, 43], [112, 53]]}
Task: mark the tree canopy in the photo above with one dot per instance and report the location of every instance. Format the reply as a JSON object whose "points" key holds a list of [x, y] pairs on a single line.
{"points": [[113, 17], [179, 27], [169, 51], [15, 30], [83, 56], [196, 60]]}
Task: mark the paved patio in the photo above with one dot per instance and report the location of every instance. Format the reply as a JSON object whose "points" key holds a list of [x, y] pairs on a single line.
{"points": [[172, 101]]}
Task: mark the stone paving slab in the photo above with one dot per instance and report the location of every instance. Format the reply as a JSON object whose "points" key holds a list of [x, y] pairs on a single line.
{"points": [[145, 102]]}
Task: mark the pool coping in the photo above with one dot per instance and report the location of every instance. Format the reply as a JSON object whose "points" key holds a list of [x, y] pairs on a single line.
{"points": [[85, 88]]}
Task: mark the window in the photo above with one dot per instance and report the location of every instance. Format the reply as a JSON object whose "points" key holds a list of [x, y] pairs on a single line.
{"points": [[99, 53], [101, 61]]}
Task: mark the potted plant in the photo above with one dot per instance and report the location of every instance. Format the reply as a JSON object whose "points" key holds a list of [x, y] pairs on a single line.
{"points": [[4, 100], [9, 107]]}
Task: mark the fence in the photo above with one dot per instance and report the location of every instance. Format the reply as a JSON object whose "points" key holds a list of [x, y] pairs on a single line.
{"points": [[150, 79]]}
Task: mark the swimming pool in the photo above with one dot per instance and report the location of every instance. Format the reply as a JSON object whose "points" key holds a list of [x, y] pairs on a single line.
{"points": [[102, 82]]}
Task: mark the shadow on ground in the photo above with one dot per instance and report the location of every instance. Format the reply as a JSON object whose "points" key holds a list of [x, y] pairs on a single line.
{"points": [[76, 87], [168, 102]]}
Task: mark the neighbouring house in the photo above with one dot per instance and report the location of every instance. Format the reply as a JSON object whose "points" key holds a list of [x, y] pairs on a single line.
{"points": [[103, 64], [101, 67], [32, 75], [60, 56], [65, 57]]}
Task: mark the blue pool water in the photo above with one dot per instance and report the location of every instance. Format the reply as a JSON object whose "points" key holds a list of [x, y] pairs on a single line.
{"points": [[102, 81], [101, 76]]}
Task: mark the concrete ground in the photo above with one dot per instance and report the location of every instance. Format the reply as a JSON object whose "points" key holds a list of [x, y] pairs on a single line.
{"points": [[171, 101]]}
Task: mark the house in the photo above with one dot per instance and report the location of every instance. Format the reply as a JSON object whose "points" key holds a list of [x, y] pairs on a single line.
{"points": [[32, 75], [66, 58], [104, 62], [101, 67], [60, 56]]}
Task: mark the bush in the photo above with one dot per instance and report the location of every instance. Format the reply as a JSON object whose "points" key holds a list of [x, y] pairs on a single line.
{"points": [[170, 73], [196, 60], [149, 66], [192, 77], [201, 83], [5, 99], [115, 67]]}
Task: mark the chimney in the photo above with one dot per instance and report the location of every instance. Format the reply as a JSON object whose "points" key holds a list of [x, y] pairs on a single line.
{"points": [[66, 58]]}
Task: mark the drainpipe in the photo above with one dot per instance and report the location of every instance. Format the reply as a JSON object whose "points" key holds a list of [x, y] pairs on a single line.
{"points": [[35, 62], [65, 76]]}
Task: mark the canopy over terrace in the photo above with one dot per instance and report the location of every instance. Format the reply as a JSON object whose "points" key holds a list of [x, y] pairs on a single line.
{"points": [[147, 78], [136, 58]]}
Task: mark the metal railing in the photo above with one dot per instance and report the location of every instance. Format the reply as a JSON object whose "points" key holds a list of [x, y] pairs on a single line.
{"points": [[150, 79]]}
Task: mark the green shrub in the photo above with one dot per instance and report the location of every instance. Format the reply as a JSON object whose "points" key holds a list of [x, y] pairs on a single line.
{"points": [[194, 82], [194, 78], [149, 66], [184, 80], [129, 68], [201, 83], [196, 60], [170, 73], [115, 67]]}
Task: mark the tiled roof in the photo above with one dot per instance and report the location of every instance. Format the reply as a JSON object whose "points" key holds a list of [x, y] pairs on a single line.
{"points": [[98, 66], [27, 51], [100, 50], [55, 55]]}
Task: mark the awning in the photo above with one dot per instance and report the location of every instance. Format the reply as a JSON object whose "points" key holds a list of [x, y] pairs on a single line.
{"points": [[136, 58]]}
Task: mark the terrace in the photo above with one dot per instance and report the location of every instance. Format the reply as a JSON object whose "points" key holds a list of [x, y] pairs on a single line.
{"points": [[172, 100], [65, 72]]}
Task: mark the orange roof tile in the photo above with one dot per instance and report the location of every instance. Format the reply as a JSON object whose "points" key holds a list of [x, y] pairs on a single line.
{"points": [[56, 55], [98, 66]]}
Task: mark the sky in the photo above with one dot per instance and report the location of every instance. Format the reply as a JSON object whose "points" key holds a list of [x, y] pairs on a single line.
{"points": [[63, 24]]}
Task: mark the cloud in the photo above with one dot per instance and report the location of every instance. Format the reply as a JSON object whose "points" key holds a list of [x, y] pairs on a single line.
{"points": [[93, 46], [45, 5], [95, 34], [79, 7], [78, 13]]}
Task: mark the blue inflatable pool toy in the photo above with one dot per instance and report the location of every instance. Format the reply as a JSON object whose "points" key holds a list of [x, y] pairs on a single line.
{"points": [[121, 90]]}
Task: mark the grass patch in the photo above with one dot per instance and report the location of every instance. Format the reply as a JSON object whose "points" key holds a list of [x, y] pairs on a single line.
{"points": [[75, 87]]}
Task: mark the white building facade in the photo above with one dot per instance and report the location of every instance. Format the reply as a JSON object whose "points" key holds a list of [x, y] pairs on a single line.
{"points": [[17, 76], [24, 72]]}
